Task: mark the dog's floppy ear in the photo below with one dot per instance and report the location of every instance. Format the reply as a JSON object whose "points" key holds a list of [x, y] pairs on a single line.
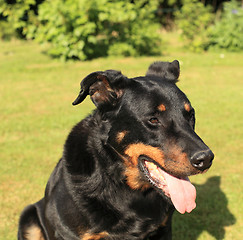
{"points": [[104, 88], [167, 70]]}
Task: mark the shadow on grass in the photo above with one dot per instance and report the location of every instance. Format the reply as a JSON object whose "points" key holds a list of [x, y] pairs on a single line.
{"points": [[211, 214]]}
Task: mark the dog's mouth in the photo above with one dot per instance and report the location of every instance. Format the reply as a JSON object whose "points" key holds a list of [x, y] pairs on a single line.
{"points": [[179, 190]]}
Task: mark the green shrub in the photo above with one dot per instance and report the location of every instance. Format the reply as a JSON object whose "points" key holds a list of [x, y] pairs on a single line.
{"points": [[16, 17], [6, 30], [86, 29], [227, 33], [194, 20], [121, 49]]}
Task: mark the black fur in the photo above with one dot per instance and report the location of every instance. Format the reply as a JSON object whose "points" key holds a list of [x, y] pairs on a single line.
{"points": [[99, 190], [167, 70]]}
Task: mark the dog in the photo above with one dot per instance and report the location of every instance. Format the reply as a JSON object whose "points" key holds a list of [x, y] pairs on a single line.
{"points": [[124, 168]]}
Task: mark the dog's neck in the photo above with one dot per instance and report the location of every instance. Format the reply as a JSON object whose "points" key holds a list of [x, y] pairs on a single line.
{"points": [[92, 132]]}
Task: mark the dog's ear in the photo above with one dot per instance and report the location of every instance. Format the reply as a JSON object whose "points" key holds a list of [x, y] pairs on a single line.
{"points": [[104, 88], [167, 70]]}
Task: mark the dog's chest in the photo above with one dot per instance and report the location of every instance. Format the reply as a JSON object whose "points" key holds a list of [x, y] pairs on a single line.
{"points": [[137, 216]]}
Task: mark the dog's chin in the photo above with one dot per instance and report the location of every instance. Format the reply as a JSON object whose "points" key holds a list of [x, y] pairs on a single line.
{"points": [[152, 173]]}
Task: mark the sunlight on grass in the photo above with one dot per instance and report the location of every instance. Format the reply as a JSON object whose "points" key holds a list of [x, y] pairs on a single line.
{"points": [[36, 116]]}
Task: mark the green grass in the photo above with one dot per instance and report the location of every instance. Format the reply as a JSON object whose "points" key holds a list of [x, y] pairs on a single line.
{"points": [[36, 115]]}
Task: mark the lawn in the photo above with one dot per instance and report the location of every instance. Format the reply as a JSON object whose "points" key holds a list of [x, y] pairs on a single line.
{"points": [[36, 115]]}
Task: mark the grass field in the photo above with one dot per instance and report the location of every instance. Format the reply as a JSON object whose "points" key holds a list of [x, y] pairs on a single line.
{"points": [[36, 115]]}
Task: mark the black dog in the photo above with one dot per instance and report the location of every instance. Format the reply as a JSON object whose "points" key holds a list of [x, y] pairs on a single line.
{"points": [[124, 168]]}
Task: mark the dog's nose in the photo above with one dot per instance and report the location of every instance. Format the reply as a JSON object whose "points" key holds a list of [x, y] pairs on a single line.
{"points": [[202, 160]]}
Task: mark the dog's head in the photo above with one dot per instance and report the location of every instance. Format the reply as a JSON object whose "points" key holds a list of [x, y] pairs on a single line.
{"points": [[152, 130]]}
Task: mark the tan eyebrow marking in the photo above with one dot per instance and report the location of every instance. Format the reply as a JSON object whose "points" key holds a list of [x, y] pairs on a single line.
{"points": [[187, 107], [161, 108]]}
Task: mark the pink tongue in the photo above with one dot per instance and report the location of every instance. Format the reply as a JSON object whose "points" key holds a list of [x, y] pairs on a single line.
{"points": [[182, 193]]}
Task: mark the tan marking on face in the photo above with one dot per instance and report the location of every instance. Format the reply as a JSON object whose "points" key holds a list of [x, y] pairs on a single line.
{"points": [[134, 179], [178, 163], [137, 149], [120, 136], [175, 162], [161, 108], [133, 151], [94, 236], [33, 233], [187, 107]]}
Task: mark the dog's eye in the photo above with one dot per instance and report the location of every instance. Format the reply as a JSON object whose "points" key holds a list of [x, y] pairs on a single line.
{"points": [[192, 119], [154, 120]]}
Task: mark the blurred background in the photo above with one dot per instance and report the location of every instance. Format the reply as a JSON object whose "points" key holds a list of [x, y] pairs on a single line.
{"points": [[48, 46]]}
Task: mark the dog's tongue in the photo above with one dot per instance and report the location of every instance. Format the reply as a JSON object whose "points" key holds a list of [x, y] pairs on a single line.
{"points": [[182, 193]]}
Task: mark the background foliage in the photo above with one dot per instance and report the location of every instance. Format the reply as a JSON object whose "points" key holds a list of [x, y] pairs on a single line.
{"points": [[227, 33], [194, 19], [86, 29], [92, 28], [16, 16]]}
